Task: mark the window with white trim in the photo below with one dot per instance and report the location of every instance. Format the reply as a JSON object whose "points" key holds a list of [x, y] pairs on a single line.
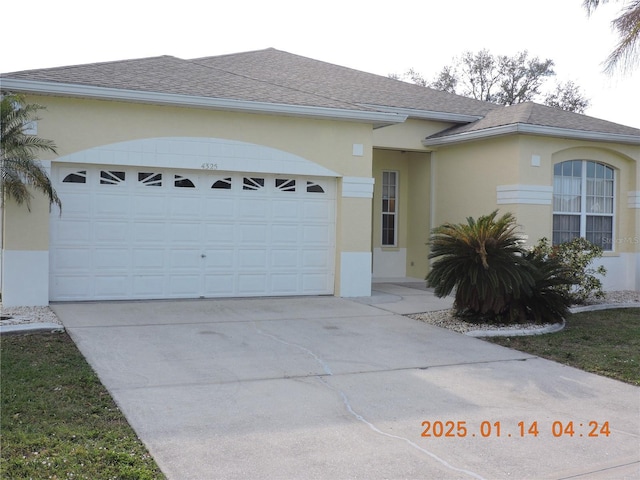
{"points": [[389, 208], [583, 202]]}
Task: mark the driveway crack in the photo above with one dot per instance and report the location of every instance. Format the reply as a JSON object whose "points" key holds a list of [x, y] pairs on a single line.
{"points": [[354, 414]]}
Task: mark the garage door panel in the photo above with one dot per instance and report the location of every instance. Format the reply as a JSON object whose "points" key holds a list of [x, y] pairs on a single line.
{"points": [[72, 232], [252, 234], [316, 211], [287, 259], [73, 287], [184, 285], [149, 286], [66, 260], [105, 259], [150, 206], [284, 234], [255, 209], [284, 284], [111, 286], [146, 259], [146, 233], [111, 205], [183, 208], [185, 259], [77, 205], [317, 235], [287, 210], [219, 258], [110, 232], [218, 208], [219, 233], [314, 284], [184, 234], [251, 259], [219, 285], [252, 284], [315, 259], [162, 233]]}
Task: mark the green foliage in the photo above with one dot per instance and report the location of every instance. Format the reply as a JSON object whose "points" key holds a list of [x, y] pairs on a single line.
{"points": [[483, 261], [19, 166], [606, 342], [576, 255], [58, 420], [547, 299], [494, 277]]}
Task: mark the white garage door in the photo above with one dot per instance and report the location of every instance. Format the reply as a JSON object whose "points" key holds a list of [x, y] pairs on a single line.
{"points": [[127, 233]]}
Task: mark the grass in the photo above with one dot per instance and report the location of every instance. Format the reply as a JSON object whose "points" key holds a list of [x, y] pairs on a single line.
{"points": [[606, 342], [58, 421]]}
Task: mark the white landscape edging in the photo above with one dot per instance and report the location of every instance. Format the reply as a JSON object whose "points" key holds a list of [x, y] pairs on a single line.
{"points": [[517, 332], [556, 327]]}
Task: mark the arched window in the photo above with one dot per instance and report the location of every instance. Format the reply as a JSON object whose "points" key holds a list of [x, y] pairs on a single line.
{"points": [[583, 202]]}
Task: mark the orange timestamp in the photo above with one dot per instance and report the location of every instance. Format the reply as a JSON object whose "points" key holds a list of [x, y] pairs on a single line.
{"points": [[487, 429]]}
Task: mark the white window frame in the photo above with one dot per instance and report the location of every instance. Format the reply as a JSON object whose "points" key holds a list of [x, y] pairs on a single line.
{"points": [[583, 214], [389, 212]]}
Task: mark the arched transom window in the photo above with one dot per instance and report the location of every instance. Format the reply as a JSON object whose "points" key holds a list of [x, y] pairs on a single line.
{"points": [[583, 202]]}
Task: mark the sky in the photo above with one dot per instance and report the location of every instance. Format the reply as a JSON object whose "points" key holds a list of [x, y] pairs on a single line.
{"points": [[379, 37]]}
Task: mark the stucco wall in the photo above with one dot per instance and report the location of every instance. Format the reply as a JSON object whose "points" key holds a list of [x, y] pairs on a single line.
{"points": [[470, 176], [408, 135], [76, 125], [467, 176]]}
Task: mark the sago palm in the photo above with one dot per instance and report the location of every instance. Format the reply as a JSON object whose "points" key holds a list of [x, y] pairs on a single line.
{"points": [[19, 166], [483, 261]]}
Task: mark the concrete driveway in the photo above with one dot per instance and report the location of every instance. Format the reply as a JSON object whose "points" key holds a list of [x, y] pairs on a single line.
{"points": [[328, 388]]}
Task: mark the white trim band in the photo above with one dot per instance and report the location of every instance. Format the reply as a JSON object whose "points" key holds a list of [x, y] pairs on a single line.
{"points": [[633, 199], [525, 128], [90, 91], [524, 194], [357, 187]]}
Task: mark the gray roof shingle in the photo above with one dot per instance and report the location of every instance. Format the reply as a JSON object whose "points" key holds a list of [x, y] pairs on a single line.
{"points": [[530, 113], [277, 77], [269, 75]]}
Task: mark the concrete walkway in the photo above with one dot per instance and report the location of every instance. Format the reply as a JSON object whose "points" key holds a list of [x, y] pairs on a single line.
{"points": [[329, 388]]}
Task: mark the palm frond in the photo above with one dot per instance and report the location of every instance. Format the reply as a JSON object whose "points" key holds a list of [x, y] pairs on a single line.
{"points": [[19, 167]]}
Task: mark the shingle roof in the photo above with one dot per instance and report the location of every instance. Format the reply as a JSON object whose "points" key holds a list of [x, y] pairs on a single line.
{"points": [[530, 113], [272, 76], [301, 73], [173, 75]]}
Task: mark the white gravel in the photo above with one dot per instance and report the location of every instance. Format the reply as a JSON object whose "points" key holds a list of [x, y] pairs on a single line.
{"points": [[446, 319], [26, 315]]}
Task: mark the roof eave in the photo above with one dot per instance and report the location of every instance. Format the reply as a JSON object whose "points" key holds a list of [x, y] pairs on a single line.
{"points": [[157, 98], [426, 114], [524, 128]]}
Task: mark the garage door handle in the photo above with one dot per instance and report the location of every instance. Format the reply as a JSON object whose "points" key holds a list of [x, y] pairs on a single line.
{"points": [[203, 256]]}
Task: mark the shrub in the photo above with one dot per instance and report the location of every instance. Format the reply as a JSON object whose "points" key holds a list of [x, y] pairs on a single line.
{"points": [[576, 255], [495, 278], [483, 261], [547, 300]]}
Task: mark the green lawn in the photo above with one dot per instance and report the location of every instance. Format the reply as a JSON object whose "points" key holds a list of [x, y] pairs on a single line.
{"points": [[58, 421], [606, 342]]}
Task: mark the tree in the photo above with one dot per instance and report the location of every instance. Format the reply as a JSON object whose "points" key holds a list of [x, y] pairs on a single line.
{"points": [[498, 79], [19, 167], [626, 54], [501, 79], [567, 96]]}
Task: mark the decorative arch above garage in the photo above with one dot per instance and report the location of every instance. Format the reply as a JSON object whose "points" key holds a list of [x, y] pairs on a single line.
{"points": [[199, 153]]}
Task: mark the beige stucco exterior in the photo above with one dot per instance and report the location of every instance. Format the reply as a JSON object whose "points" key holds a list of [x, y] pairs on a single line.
{"points": [[447, 183]]}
